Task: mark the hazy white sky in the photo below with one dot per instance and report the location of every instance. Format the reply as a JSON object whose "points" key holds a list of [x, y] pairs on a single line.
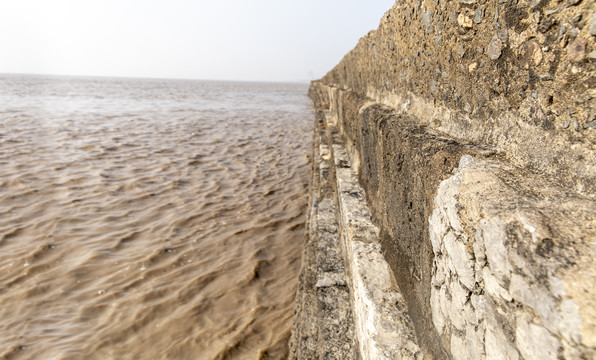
{"points": [[267, 40]]}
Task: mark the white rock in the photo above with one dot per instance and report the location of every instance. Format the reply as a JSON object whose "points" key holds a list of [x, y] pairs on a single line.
{"points": [[569, 322], [496, 346], [437, 315], [479, 304], [462, 260], [479, 252], [471, 316], [444, 302], [459, 295], [492, 286], [459, 348], [437, 228], [475, 341], [494, 237], [535, 342], [536, 297], [438, 278]]}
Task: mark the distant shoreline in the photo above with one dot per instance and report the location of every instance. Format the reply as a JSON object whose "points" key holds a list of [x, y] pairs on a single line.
{"points": [[109, 77]]}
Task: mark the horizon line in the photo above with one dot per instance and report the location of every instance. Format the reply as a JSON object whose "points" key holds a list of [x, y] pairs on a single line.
{"points": [[154, 78]]}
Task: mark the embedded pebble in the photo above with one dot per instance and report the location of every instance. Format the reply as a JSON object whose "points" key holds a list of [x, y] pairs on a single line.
{"points": [[478, 15], [495, 47], [427, 20], [576, 52], [464, 21]]}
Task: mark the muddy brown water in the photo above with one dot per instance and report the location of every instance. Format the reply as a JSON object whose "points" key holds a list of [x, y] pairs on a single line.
{"points": [[150, 219]]}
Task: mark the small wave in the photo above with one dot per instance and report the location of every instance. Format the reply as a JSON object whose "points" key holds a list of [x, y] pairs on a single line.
{"points": [[135, 230]]}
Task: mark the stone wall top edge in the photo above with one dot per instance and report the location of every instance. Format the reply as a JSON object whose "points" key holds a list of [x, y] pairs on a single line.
{"points": [[518, 76]]}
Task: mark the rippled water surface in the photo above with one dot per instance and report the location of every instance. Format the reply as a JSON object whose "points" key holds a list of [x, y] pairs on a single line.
{"points": [[149, 219]]}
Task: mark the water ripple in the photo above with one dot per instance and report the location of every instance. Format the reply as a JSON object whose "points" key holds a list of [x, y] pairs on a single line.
{"points": [[149, 219]]}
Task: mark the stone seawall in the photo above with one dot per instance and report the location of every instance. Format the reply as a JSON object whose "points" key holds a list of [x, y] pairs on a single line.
{"points": [[471, 127]]}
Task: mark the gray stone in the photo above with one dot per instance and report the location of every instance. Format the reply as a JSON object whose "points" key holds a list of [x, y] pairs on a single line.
{"points": [[427, 20], [479, 304], [456, 317], [459, 295], [479, 253], [383, 327], [437, 229], [576, 51], [576, 19], [478, 14], [495, 47], [593, 24], [331, 279], [561, 32], [503, 35], [444, 302], [439, 277], [565, 125]]}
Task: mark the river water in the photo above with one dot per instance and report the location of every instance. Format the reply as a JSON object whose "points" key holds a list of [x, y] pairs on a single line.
{"points": [[150, 219]]}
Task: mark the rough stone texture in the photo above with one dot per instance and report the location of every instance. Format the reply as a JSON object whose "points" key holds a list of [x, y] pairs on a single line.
{"points": [[348, 304], [383, 325], [515, 272], [471, 127], [509, 80], [323, 317]]}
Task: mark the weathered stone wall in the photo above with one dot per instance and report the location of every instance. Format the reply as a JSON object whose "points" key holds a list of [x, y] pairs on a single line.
{"points": [[512, 75], [472, 125]]}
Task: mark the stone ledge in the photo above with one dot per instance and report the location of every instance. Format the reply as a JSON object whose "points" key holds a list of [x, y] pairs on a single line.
{"points": [[382, 322], [348, 304], [323, 321]]}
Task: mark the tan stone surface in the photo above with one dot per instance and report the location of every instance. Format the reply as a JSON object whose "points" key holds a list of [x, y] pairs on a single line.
{"points": [[512, 75], [472, 125]]}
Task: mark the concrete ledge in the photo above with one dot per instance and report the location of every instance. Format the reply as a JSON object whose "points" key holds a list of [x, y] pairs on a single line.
{"points": [[383, 327], [348, 304], [323, 320]]}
